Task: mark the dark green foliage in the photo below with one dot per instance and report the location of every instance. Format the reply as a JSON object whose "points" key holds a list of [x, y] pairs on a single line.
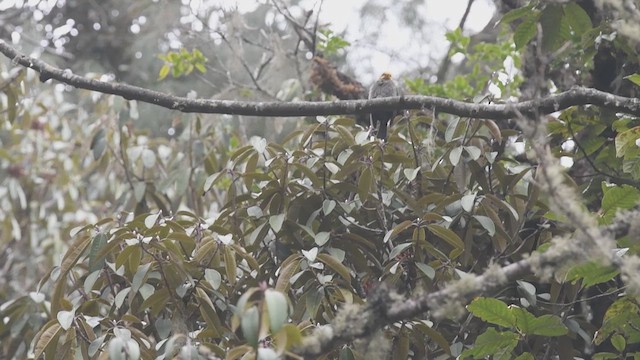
{"points": [[201, 245]]}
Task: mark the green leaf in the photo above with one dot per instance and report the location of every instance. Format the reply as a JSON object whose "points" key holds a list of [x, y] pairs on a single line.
{"points": [[492, 343], [140, 277], [616, 198], [97, 244], [454, 155], [164, 71], [549, 325], [552, 22], [525, 321], [525, 32], [397, 230], [577, 18], [328, 206], [631, 163], [447, 235], [398, 249], [365, 184], [618, 341], [321, 238], [411, 174], [277, 307], [634, 78], [213, 277], [335, 265], [486, 223], [65, 318], [275, 222], [592, 273], [618, 318], [516, 14], [289, 267], [250, 324], [493, 311], [98, 143], [49, 336], [12, 100], [627, 140], [427, 270]]}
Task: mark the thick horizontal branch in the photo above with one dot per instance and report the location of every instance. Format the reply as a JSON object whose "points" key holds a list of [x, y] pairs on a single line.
{"points": [[383, 309], [552, 103]]}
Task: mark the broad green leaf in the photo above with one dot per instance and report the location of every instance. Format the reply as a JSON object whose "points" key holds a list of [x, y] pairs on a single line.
{"points": [[213, 277], [494, 344], [96, 345], [164, 71], [486, 223], [328, 206], [467, 202], [447, 235], [525, 31], [634, 78], [311, 255], [151, 220], [555, 28], [397, 230], [411, 174], [618, 341], [592, 273], [278, 309], [288, 269], [321, 238], [516, 14], [335, 265], [98, 143], [250, 324], [493, 311], [276, 222], [549, 325], [47, 337], [525, 321], [65, 318], [577, 18], [617, 318], [230, 264], [97, 244], [427, 270], [156, 301], [455, 154], [121, 296], [140, 277], [627, 140], [332, 167], [365, 184], [616, 198], [398, 249]]}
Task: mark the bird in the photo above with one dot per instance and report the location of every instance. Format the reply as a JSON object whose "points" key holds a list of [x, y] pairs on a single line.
{"points": [[381, 119]]}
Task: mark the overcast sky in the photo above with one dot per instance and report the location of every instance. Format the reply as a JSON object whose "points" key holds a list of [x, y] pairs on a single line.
{"points": [[399, 48]]}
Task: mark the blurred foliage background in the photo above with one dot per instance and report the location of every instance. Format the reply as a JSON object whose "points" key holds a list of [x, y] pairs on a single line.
{"points": [[129, 231]]}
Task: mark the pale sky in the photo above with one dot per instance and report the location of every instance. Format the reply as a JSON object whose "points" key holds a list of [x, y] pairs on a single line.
{"points": [[410, 49]]}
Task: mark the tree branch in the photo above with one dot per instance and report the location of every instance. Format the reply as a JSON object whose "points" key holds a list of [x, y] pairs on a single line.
{"points": [[549, 104], [384, 307]]}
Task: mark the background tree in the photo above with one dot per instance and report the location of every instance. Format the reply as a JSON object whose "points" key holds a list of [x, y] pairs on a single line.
{"points": [[130, 231]]}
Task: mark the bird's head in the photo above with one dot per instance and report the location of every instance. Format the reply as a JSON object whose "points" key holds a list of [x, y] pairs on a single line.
{"points": [[385, 76]]}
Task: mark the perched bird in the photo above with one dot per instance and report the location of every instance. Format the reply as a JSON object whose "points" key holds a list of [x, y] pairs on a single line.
{"points": [[383, 87]]}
